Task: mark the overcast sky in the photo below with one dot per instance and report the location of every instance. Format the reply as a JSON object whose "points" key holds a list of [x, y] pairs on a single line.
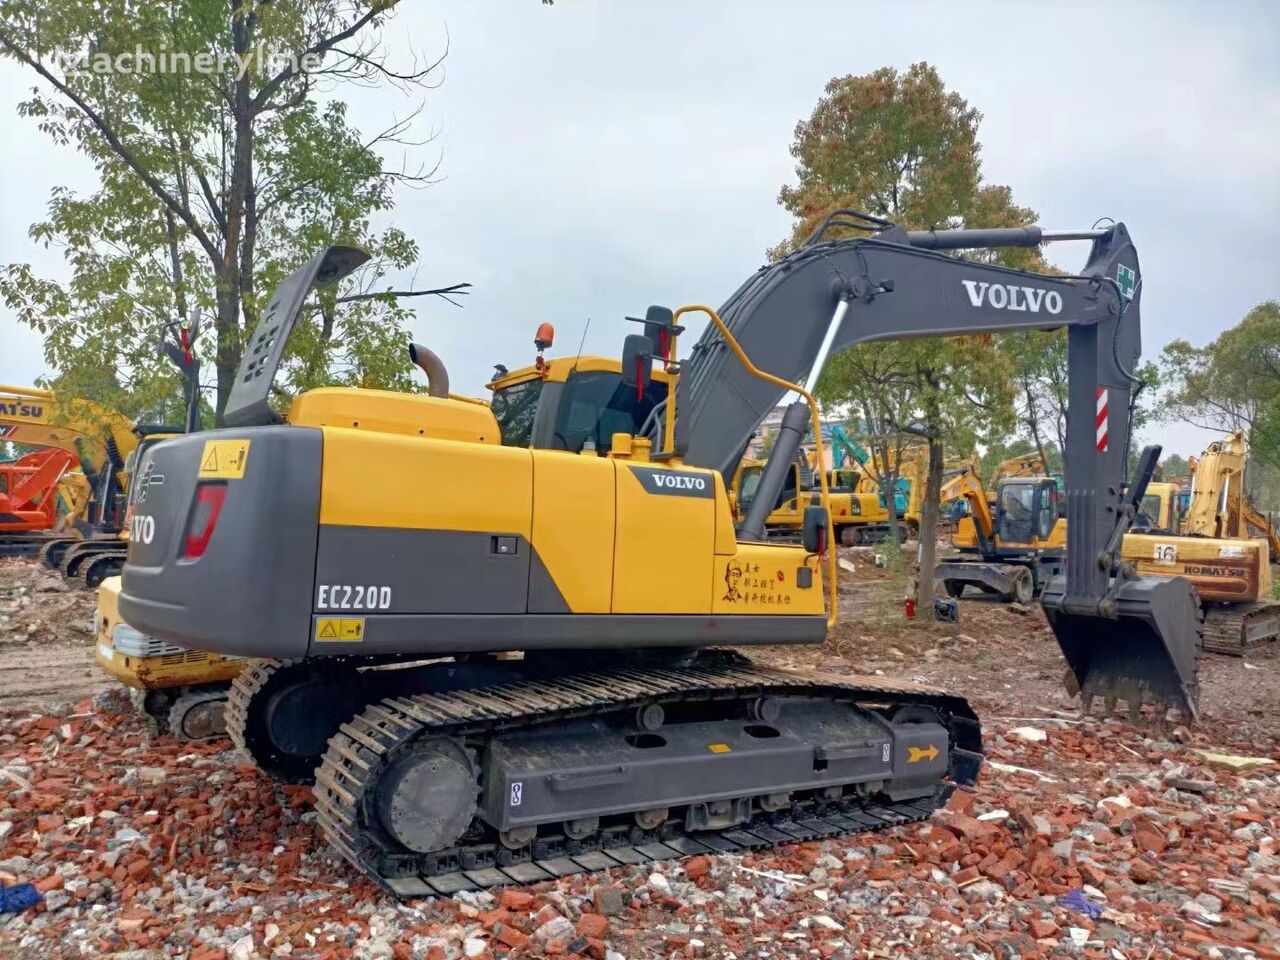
{"points": [[599, 157]]}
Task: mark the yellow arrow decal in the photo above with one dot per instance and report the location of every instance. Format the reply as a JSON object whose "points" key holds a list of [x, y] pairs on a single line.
{"points": [[916, 754]]}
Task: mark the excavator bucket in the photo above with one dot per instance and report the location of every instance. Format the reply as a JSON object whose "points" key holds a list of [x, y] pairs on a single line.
{"points": [[1144, 654]]}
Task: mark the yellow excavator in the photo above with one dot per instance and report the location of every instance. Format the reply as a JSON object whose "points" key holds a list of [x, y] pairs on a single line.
{"points": [[1010, 545], [1211, 546], [505, 639], [98, 439], [100, 554], [859, 516]]}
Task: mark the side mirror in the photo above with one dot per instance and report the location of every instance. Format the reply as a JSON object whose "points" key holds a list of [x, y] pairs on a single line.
{"points": [[637, 361], [814, 533]]}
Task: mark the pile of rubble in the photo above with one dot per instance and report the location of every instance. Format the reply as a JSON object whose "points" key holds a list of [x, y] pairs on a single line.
{"points": [[39, 606], [1084, 839]]}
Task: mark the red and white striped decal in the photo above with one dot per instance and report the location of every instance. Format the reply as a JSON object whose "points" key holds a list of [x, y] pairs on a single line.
{"points": [[1100, 420]]}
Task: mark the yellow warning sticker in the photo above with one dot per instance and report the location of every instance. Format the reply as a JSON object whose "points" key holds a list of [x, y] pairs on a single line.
{"points": [[718, 747], [916, 754], [224, 459], [340, 629]]}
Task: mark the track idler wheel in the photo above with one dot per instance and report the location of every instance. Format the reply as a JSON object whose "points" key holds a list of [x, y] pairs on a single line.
{"points": [[199, 715], [426, 799], [99, 568], [51, 554], [283, 714]]}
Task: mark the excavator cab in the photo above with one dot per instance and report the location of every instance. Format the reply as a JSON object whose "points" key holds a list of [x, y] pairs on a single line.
{"points": [[1027, 510], [572, 403]]}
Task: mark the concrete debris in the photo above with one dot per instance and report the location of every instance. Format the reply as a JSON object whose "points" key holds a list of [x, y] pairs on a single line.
{"points": [[1099, 840], [1030, 734], [1229, 761]]}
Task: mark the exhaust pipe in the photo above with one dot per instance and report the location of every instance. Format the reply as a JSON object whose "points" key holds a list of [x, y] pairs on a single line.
{"points": [[433, 367]]}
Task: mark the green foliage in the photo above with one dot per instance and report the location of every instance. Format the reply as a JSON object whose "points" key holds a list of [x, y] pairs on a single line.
{"points": [[212, 187], [903, 147], [1174, 466], [1231, 383], [896, 559]]}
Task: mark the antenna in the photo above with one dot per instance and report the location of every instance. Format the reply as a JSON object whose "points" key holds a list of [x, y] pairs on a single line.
{"points": [[581, 343]]}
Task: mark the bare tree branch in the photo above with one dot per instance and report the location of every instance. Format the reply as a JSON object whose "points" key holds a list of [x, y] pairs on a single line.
{"points": [[123, 152]]}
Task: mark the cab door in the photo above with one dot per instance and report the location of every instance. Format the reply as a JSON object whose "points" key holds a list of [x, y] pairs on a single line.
{"points": [[1016, 518], [1047, 508]]}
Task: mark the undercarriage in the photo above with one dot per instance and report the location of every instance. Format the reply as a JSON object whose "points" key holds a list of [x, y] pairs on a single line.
{"points": [[506, 772], [1237, 628]]}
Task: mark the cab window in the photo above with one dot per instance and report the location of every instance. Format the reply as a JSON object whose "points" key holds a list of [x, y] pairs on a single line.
{"points": [[597, 404], [514, 408], [1149, 511], [1048, 513], [1016, 501]]}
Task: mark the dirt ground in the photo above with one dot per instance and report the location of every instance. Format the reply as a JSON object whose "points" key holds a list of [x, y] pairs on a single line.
{"points": [[46, 638], [1084, 837]]}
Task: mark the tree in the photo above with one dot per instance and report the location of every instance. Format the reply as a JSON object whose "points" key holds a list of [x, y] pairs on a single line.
{"points": [[224, 162], [903, 147], [1174, 466], [1233, 383]]}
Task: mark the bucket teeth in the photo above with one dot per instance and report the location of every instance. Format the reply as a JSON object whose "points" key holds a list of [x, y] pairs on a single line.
{"points": [[1141, 658]]}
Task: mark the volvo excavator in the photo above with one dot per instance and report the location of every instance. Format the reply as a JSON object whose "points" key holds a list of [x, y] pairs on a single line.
{"points": [[502, 637]]}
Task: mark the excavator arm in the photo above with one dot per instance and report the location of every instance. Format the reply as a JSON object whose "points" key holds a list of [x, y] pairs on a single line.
{"points": [[968, 485], [1124, 637], [38, 418], [1264, 527], [1027, 465]]}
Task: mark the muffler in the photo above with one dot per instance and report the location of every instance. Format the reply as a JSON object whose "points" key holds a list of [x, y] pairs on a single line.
{"points": [[431, 364], [1144, 652]]}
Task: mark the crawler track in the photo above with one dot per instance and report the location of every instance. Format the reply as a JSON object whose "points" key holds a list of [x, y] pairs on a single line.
{"points": [[364, 746], [1237, 629]]}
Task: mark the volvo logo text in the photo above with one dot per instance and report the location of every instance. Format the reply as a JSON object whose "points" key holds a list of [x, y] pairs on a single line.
{"points": [[674, 482], [1007, 296]]}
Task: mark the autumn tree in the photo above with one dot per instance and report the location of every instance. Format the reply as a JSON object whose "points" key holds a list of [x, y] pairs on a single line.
{"points": [[901, 146], [224, 162], [1232, 383]]}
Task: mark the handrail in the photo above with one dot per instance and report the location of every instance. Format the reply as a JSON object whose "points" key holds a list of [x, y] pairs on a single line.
{"points": [[755, 371]]}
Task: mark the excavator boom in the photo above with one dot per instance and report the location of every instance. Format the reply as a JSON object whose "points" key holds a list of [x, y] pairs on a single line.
{"points": [[1124, 637]]}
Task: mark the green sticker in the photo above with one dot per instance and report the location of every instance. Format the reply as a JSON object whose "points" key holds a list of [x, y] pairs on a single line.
{"points": [[1127, 279]]}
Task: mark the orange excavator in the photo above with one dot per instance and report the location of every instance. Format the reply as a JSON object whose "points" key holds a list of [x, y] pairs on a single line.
{"points": [[31, 488]]}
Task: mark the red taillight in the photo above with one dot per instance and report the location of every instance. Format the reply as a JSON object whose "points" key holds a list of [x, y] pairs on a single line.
{"points": [[209, 500]]}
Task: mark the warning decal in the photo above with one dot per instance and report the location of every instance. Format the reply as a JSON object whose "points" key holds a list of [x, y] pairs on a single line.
{"points": [[224, 459], [340, 630]]}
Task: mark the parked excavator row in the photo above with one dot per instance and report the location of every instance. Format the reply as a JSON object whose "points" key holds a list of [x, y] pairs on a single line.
{"points": [[517, 675], [100, 552], [1014, 543], [81, 448], [859, 516]]}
